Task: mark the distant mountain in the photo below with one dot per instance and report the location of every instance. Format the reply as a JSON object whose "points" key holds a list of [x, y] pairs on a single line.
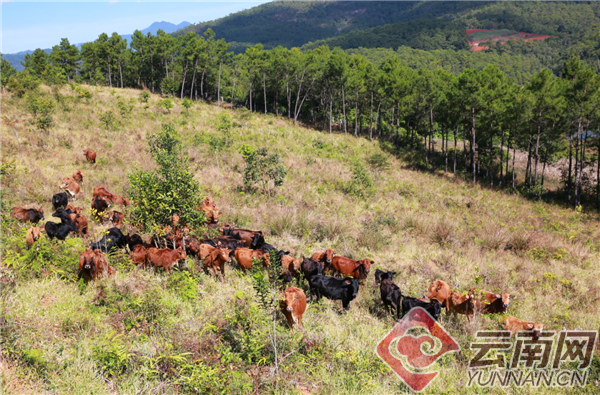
{"points": [[167, 27]]}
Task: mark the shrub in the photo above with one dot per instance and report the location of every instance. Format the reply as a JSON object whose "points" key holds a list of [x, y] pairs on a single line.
{"points": [[125, 109], [379, 162], [41, 108], [184, 285], [361, 185], [112, 355], [143, 97], [187, 104], [263, 169], [108, 119], [167, 104], [22, 83]]}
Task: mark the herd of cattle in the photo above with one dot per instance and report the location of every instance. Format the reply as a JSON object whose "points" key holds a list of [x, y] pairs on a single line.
{"points": [[328, 275]]}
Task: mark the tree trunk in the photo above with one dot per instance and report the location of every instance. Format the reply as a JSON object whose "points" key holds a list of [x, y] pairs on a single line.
{"points": [[219, 88], [289, 96], [202, 85], [455, 138], [250, 97], [330, 112], [193, 80], [344, 107], [183, 81], [371, 120], [513, 164], [431, 141], [501, 158], [537, 146], [569, 180], [109, 76], [473, 144], [491, 168], [233, 89], [120, 72], [377, 128], [265, 90]]}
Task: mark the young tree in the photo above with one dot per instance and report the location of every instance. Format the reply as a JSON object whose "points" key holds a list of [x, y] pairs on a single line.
{"points": [[65, 56], [264, 169]]}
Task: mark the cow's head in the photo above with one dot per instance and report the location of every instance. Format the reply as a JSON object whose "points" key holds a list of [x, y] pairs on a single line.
{"points": [[89, 260], [438, 290], [257, 239], [291, 295], [225, 254], [535, 328], [366, 263], [505, 297], [35, 232], [180, 253], [329, 255], [66, 182], [351, 285]]}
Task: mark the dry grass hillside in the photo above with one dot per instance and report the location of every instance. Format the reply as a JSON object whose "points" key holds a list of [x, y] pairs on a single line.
{"points": [[144, 333]]}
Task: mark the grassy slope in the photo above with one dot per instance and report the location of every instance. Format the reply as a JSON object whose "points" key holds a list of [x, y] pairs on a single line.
{"points": [[555, 277]]}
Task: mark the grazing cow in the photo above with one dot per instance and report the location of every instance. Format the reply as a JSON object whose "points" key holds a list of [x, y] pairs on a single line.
{"points": [[380, 275], [134, 240], [63, 215], [78, 176], [390, 295], [515, 325], [440, 291], [115, 218], [267, 247], [348, 267], [120, 200], [244, 257], [71, 186], [165, 257], [434, 308], [291, 264], [231, 244], [293, 305], [81, 223], [216, 260], [90, 155], [461, 304], [60, 200], [491, 303], [28, 214], [60, 231], [113, 240], [344, 289], [92, 264], [73, 209], [99, 204], [311, 267], [324, 257], [33, 234], [139, 255], [252, 239], [204, 250]]}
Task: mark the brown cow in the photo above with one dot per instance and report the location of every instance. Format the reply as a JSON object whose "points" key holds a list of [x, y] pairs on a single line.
{"points": [[92, 264], [348, 267], [244, 257], [102, 192], [76, 210], [204, 250], [90, 155], [71, 186], [216, 260], [115, 218], [515, 325], [491, 303], [291, 264], [80, 222], [165, 257], [120, 200], [139, 255], [461, 304], [293, 305], [325, 257], [28, 214], [440, 291], [33, 234], [78, 176]]}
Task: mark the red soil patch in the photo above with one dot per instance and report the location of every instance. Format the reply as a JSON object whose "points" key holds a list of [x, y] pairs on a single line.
{"points": [[503, 39]]}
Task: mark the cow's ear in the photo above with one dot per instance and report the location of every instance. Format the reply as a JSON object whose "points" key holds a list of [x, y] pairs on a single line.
{"points": [[347, 282], [530, 326], [498, 296]]}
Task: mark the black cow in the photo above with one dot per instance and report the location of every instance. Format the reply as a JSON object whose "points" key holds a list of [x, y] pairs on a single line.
{"points": [[310, 267], [390, 295], [434, 308], [380, 275], [100, 204], [114, 239], [63, 215], [60, 200], [230, 244], [258, 241], [133, 240], [267, 247], [60, 231], [344, 289]]}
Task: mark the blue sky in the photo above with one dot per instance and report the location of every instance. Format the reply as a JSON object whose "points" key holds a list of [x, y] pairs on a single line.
{"points": [[42, 24]]}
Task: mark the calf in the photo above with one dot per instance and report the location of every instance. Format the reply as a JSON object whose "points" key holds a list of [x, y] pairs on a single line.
{"points": [[165, 257], [33, 234], [120, 200], [440, 291], [113, 240], [78, 176], [348, 267], [139, 255], [244, 257], [73, 209], [251, 239], [80, 222], [293, 305], [60, 200], [90, 155], [102, 192], [515, 325], [216, 260], [390, 295], [491, 303], [99, 205], [461, 304], [60, 231], [380, 275], [115, 218], [310, 267], [204, 250], [92, 264], [344, 289], [325, 258], [28, 214], [434, 308], [291, 264], [134, 240], [71, 186]]}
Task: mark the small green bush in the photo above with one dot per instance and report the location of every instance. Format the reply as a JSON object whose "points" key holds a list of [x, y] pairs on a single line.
{"points": [[143, 97], [263, 169], [184, 285], [361, 185]]}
